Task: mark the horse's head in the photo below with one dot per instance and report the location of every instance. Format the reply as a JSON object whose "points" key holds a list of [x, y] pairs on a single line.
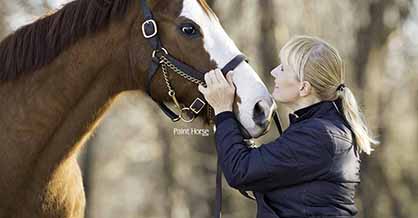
{"points": [[191, 32]]}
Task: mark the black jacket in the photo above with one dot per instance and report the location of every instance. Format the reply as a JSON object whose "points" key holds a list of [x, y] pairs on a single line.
{"points": [[312, 170]]}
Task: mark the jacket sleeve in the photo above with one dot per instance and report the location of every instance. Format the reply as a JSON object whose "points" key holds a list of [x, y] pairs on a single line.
{"points": [[301, 154]]}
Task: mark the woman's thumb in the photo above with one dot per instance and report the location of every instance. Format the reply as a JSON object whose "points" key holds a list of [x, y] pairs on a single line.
{"points": [[201, 89], [229, 79]]}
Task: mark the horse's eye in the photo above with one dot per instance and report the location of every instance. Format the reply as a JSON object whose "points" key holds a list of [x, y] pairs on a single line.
{"points": [[189, 30]]}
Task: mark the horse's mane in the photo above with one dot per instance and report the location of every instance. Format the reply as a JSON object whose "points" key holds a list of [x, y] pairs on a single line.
{"points": [[206, 7], [37, 44]]}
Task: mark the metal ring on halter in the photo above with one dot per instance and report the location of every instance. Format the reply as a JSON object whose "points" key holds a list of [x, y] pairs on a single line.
{"points": [[161, 49], [184, 111], [154, 28]]}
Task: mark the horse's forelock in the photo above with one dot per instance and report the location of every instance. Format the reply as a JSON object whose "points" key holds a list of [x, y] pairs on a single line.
{"points": [[206, 7]]}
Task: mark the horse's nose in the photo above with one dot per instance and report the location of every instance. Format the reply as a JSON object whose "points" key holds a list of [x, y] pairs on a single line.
{"points": [[261, 113]]}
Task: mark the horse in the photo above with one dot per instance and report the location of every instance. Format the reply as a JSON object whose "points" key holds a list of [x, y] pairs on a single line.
{"points": [[59, 74]]}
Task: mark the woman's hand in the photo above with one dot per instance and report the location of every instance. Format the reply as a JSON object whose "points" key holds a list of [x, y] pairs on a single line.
{"points": [[220, 92]]}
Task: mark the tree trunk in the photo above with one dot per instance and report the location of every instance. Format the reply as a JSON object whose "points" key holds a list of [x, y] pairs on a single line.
{"points": [[267, 40], [371, 40], [3, 25]]}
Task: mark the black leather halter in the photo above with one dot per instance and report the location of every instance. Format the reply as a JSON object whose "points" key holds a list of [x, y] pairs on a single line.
{"points": [[161, 57]]}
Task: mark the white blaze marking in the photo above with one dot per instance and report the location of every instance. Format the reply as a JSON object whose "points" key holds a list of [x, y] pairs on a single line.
{"points": [[216, 42]]}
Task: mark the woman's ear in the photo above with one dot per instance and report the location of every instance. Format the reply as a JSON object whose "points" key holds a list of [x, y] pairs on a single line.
{"points": [[305, 89]]}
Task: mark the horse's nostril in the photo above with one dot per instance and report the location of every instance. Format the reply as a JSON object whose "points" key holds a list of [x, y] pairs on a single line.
{"points": [[259, 115]]}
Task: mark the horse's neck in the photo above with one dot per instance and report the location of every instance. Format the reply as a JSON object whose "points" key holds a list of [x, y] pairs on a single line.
{"points": [[46, 115]]}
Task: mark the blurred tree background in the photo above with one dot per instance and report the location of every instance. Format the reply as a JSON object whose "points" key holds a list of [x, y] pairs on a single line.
{"points": [[136, 165]]}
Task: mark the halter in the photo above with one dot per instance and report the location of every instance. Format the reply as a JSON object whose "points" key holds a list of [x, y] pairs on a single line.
{"points": [[161, 57]]}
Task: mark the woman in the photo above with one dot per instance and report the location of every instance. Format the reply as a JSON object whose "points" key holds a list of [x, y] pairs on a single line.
{"points": [[312, 169]]}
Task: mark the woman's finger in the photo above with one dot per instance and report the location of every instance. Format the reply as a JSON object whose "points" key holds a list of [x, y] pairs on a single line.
{"points": [[229, 78], [221, 78], [213, 78], [209, 78], [202, 89]]}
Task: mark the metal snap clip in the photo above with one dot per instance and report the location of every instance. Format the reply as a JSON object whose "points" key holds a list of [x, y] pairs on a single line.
{"points": [[187, 115]]}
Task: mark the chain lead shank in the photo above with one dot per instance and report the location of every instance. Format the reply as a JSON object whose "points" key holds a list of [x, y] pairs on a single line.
{"points": [[185, 112]]}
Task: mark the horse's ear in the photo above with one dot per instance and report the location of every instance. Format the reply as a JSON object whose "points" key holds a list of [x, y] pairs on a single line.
{"points": [[164, 4], [154, 3]]}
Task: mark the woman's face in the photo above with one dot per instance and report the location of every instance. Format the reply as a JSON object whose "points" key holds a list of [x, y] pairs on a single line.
{"points": [[286, 88]]}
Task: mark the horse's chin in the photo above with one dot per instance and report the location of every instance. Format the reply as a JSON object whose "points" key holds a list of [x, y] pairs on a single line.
{"points": [[245, 133], [250, 133], [255, 132]]}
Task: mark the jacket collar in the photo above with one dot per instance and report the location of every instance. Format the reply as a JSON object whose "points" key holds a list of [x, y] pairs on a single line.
{"points": [[319, 109]]}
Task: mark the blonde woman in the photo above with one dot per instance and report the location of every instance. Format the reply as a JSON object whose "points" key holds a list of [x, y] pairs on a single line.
{"points": [[312, 170]]}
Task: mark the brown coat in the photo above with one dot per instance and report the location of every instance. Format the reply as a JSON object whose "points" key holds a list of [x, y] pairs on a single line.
{"points": [[57, 77]]}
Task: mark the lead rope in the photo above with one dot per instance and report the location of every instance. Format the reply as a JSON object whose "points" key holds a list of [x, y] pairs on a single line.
{"points": [[276, 119], [165, 63]]}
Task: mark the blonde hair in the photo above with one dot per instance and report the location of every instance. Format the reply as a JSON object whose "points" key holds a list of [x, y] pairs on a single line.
{"points": [[315, 61]]}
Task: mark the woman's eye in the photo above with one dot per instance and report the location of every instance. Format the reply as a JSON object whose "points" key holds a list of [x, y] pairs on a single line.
{"points": [[189, 30]]}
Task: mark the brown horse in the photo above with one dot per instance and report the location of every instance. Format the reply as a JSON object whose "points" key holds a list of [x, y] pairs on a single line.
{"points": [[59, 74]]}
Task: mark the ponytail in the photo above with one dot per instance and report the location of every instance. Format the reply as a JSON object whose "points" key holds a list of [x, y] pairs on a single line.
{"points": [[356, 120]]}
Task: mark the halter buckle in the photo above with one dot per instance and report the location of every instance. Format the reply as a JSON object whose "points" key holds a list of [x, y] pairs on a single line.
{"points": [[197, 105], [149, 28]]}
